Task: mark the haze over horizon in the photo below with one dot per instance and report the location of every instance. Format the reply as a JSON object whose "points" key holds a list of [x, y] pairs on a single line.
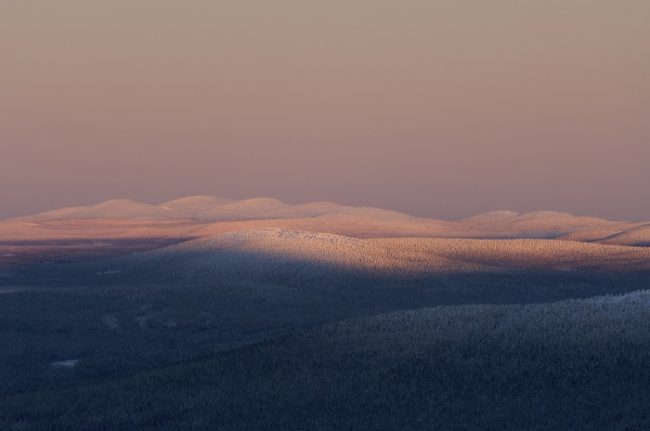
{"points": [[441, 109]]}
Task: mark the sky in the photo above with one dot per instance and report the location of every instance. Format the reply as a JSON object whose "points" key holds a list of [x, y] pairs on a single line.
{"points": [[439, 108]]}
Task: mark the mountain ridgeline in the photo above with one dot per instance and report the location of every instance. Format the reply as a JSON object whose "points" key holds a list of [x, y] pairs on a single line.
{"points": [[204, 215]]}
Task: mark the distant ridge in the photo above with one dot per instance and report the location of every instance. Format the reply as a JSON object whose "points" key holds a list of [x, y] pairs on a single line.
{"points": [[191, 206], [120, 209], [242, 210], [206, 215], [492, 216], [206, 208]]}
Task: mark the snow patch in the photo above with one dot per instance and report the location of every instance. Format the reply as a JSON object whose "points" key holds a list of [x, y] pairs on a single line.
{"points": [[68, 363]]}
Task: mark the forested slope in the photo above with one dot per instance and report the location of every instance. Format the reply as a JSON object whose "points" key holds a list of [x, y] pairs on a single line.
{"points": [[563, 366]]}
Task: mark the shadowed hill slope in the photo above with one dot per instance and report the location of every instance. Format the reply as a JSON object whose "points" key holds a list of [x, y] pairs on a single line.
{"points": [[267, 254], [469, 367], [416, 254]]}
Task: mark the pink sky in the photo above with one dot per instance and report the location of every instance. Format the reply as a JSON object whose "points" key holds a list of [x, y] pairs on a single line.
{"points": [[438, 108]]}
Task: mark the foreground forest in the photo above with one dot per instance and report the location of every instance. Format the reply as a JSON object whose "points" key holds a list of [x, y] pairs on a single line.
{"points": [[204, 313], [569, 365]]}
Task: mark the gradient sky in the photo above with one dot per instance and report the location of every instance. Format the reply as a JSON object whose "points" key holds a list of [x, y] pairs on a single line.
{"points": [[440, 108]]}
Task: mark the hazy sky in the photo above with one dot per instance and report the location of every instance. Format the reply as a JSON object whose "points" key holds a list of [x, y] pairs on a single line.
{"points": [[440, 108]]}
